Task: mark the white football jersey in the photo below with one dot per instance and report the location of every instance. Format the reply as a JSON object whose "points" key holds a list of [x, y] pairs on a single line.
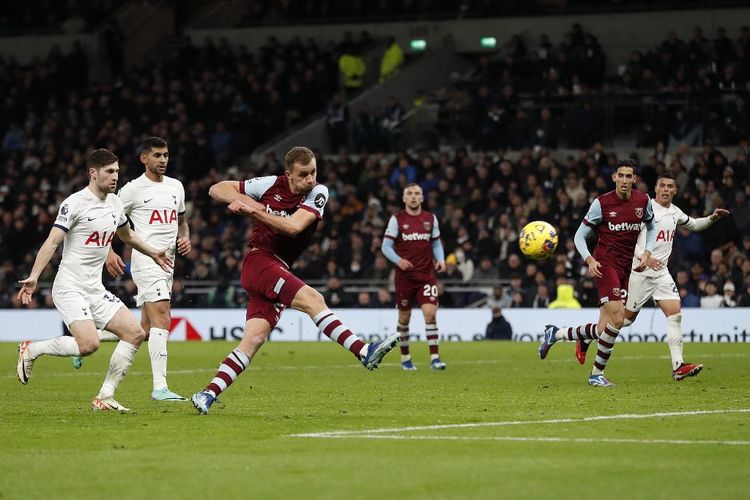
{"points": [[154, 208], [666, 220], [90, 225]]}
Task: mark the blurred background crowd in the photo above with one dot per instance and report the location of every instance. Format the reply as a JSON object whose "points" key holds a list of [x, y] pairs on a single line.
{"points": [[527, 134]]}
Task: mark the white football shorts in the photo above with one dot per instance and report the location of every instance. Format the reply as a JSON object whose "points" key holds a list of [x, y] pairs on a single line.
{"points": [[100, 307], [153, 285], [641, 288]]}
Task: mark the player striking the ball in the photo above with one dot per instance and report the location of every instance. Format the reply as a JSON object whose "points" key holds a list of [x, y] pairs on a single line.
{"points": [[287, 210]]}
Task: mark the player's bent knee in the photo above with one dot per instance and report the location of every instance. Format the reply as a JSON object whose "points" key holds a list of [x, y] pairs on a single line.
{"points": [[87, 346]]}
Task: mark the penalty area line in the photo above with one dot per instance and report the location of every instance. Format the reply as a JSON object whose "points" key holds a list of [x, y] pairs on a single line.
{"points": [[539, 439], [623, 416]]}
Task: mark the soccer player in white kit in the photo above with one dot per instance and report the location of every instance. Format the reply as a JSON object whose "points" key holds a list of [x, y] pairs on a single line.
{"points": [[155, 204], [86, 223], [658, 284]]}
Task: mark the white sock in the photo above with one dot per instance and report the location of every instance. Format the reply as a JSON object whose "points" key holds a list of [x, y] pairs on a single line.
{"points": [[625, 323], [59, 346], [674, 339], [106, 336], [119, 363], [157, 349]]}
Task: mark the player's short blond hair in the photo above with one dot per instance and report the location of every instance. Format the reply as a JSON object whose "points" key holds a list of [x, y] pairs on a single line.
{"points": [[412, 185], [298, 154]]}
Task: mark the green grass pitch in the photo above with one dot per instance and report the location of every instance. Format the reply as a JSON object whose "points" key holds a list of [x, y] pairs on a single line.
{"points": [[53, 446]]}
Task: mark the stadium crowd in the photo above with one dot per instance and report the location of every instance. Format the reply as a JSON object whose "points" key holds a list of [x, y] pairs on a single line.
{"points": [[209, 114]]}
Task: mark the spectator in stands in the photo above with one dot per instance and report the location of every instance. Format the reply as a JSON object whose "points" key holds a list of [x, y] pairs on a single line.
{"points": [[711, 298], [498, 328], [352, 69], [392, 60], [337, 120], [565, 298], [498, 299], [729, 298]]}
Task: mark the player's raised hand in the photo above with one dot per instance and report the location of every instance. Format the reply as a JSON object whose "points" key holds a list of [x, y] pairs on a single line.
{"points": [[404, 265], [184, 246], [440, 266], [114, 264], [27, 290], [160, 257], [594, 268], [718, 214]]}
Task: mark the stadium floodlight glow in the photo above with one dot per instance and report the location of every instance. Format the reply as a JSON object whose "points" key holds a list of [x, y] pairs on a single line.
{"points": [[488, 42], [418, 44]]}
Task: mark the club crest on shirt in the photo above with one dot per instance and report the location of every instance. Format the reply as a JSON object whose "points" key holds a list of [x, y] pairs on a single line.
{"points": [[639, 212], [427, 225], [405, 226]]}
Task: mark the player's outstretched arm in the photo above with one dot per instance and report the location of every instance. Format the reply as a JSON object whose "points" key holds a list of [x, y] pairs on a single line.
{"points": [[132, 240], [703, 223], [43, 256], [229, 191]]}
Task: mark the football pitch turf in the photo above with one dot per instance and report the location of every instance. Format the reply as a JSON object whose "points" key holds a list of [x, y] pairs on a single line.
{"points": [[305, 421]]}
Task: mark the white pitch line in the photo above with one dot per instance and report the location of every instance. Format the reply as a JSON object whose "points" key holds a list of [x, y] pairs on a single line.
{"points": [[624, 416], [546, 439]]}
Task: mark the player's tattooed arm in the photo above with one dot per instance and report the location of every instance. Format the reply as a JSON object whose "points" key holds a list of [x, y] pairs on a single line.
{"points": [[183, 236]]}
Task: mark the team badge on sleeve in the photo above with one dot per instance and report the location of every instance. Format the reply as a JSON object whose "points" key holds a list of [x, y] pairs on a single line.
{"points": [[320, 200]]}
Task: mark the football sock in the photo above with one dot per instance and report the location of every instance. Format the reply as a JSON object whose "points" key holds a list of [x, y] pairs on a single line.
{"points": [[105, 336], [119, 363], [157, 350], [580, 332], [431, 330], [403, 336], [331, 326], [674, 339], [229, 370], [605, 344], [59, 346], [626, 322]]}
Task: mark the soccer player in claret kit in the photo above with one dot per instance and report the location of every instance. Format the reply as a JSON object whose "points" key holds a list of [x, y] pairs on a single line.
{"points": [[86, 223], [616, 216], [287, 210], [155, 205], [412, 240], [658, 284]]}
